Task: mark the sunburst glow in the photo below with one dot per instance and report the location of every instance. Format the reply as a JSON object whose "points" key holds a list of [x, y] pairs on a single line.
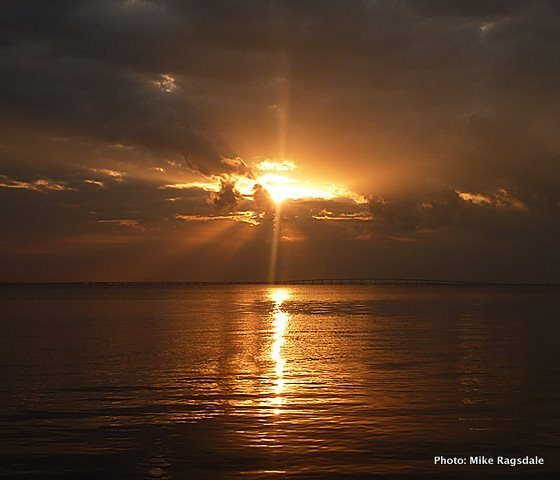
{"points": [[284, 186], [279, 180]]}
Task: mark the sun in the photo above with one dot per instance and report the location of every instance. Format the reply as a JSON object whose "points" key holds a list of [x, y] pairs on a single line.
{"points": [[283, 187], [280, 181], [278, 195], [278, 187]]}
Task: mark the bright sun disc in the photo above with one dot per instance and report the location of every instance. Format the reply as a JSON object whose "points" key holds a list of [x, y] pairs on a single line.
{"points": [[277, 193], [279, 187]]}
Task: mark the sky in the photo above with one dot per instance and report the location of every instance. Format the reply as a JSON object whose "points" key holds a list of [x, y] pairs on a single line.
{"points": [[253, 140]]}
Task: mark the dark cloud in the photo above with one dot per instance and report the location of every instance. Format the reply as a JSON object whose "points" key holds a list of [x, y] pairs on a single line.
{"points": [[263, 201], [506, 154], [72, 96], [411, 214], [468, 8], [445, 114], [226, 198], [483, 215]]}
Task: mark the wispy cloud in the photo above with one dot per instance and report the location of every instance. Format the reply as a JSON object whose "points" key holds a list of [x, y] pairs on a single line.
{"points": [[123, 222], [39, 185], [327, 215], [244, 216]]}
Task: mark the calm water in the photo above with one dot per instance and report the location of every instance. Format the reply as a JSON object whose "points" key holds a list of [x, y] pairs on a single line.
{"points": [[256, 382]]}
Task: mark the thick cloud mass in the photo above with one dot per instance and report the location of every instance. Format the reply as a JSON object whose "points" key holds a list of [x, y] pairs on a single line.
{"points": [[117, 115]]}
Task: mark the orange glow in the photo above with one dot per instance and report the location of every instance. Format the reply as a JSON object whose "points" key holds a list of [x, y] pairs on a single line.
{"points": [[279, 180], [284, 186], [279, 296]]}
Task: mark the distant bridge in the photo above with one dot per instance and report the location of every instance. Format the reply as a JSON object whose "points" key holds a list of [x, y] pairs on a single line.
{"points": [[372, 281], [399, 281], [311, 281]]}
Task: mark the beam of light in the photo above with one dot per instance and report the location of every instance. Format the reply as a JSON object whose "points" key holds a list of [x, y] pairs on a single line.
{"points": [[282, 108], [280, 320], [273, 263]]}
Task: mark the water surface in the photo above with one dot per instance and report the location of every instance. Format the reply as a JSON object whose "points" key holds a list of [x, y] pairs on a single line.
{"points": [[267, 382]]}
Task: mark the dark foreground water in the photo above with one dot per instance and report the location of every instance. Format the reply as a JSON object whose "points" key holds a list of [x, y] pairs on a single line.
{"points": [[258, 382]]}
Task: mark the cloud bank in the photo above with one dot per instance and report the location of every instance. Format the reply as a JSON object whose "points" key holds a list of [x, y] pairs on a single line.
{"points": [[130, 128]]}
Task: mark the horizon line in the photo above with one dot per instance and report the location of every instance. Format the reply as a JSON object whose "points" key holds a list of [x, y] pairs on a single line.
{"points": [[310, 281]]}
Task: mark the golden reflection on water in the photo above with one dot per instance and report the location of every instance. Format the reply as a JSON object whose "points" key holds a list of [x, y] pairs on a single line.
{"points": [[280, 320]]}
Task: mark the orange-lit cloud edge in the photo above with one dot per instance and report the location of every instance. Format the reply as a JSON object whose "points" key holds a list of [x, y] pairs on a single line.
{"points": [[279, 181]]}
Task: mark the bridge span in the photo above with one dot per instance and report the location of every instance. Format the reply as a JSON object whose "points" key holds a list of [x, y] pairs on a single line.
{"points": [[307, 281]]}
